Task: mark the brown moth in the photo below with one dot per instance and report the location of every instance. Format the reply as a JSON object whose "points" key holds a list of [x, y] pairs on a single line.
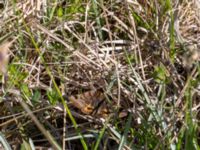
{"points": [[93, 103], [87, 101]]}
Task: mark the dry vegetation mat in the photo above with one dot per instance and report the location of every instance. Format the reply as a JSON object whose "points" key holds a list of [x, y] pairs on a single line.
{"points": [[100, 75]]}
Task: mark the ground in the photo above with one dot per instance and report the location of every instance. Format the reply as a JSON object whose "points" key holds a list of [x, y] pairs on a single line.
{"points": [[87, 74]]}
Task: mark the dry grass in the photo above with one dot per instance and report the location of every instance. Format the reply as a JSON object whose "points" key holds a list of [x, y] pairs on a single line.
{"points": [[107, 75]]}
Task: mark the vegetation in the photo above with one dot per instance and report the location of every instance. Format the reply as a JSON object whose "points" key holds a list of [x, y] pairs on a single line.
{"points": [[88, 74]]}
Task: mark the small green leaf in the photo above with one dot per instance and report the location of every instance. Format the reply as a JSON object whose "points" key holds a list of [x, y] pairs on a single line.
{"points": [[25, 146], [52, 96], [60, 12], [36, 96], [26, 90], [160, 74], [16, 76]]}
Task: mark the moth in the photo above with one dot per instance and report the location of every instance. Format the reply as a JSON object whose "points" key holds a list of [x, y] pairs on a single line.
{"points": [[90, 102], [94, 103]]}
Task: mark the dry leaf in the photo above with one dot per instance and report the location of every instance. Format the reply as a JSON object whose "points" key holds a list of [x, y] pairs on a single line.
{"points": [[4, 56], [192, 55]]}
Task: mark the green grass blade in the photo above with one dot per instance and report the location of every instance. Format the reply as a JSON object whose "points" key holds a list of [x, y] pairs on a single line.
{"points": [[100, 135], [124, 136]]}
